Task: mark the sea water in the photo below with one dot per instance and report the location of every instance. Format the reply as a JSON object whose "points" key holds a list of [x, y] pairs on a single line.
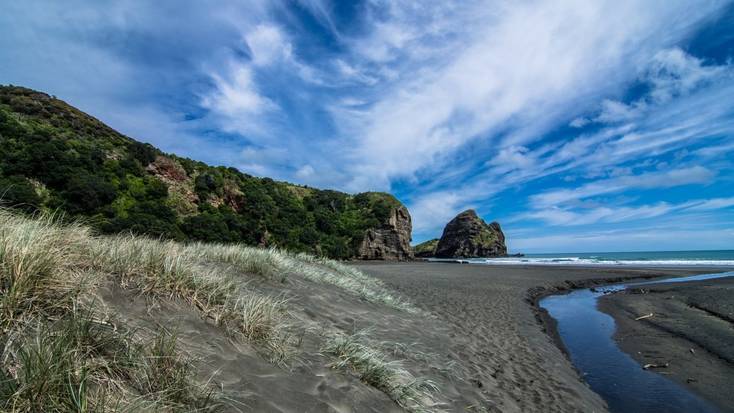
{"points": [[724, 258]]}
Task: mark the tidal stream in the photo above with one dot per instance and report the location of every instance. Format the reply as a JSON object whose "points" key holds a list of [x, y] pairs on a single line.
{"points": [[588, 333]]}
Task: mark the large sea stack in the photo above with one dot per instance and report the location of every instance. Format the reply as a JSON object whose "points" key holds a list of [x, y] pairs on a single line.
{"points": [[468, 236], [391, 241]]}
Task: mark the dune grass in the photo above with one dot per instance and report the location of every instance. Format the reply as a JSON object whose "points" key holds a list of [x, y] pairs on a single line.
{"points": [[53, 343], [79, 363], [36, 265], [277, 264], [165, 376], [60, 354], [374, 368], [173, 270], [350, 279], [266, 263]]}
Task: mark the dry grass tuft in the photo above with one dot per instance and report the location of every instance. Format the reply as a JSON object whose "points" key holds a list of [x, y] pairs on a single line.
{"points": [[165, 376], [350, 279], [266, 263], [37, 264], [374, 368], [174, 270]]}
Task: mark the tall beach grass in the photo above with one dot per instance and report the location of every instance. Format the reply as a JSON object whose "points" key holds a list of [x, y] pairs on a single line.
{"points": [[57, 343], [353, 352]]}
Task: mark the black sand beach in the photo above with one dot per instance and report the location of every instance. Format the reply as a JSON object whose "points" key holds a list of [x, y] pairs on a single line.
{"points": [[690, 332], [497, 335]]}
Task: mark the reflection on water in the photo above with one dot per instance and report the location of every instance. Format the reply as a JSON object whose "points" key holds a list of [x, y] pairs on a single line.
{"points": [[587, 334]]}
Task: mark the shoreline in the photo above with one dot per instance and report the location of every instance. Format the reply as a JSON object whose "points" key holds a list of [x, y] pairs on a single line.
{"points": [[691, 333], [498, 337], [550, 325]]}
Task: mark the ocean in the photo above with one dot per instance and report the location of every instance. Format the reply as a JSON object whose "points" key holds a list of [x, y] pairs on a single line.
{"points": [[644, 258]]}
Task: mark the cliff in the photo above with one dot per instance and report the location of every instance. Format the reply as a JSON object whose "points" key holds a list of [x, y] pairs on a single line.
{"points": [[391, 241], [468, 236]]}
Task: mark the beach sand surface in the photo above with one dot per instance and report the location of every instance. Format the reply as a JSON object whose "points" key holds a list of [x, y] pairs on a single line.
{"points": [[502, 346], [690, 332], [478, 337]]}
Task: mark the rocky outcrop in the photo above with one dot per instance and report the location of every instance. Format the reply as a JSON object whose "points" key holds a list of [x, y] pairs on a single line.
{"points": [[391, 241], [468, 236], [181, 193]]}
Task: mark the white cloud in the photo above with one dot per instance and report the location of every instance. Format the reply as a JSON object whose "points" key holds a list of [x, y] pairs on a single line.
{"points": [[674, 72], [237, 100], [710, 204], [268, 44], [321, 9], [579, 122], [614, 111], [715, 150], [636, 239], [305, 172], [432, 212], [568, 216], [670, 73], [350, 72], [565, 217], [527, 64], [666, 179]]}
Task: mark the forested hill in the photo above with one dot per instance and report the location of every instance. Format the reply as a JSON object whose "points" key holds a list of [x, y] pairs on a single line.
{"points": [[55, 157]]}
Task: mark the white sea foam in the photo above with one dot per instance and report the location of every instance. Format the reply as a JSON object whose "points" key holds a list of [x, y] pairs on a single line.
{"points": [[596, 262]]}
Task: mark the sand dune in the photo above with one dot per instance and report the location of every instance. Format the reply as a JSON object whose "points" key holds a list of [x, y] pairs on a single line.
{"points": [[128, 323]]}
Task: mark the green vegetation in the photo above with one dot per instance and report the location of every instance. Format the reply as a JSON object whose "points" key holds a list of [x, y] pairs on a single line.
{"points": [[85, 209], [426, 249], [60, 352], [55, 157], [59, 343]]}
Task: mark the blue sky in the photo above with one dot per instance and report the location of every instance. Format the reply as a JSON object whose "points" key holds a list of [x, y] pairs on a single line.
{"points": [[578, 125]]}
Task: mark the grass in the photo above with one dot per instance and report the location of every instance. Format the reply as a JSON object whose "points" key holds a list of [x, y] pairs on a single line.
{"points": [[59, 353], [266, 263], [173, 270], [374, 368], [52, 348], [36, 270], [81, 364], [350, 279], [276, 264], [165, 375]]}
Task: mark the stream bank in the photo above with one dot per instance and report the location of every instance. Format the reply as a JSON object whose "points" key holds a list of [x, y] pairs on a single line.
{"points": [[691, 332]]}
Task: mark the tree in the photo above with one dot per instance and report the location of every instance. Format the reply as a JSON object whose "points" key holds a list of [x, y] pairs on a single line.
{"points": [[17, 192]]}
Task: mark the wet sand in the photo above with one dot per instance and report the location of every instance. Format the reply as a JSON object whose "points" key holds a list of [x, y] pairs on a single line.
{"points": [[499, 339], [691, 332]]}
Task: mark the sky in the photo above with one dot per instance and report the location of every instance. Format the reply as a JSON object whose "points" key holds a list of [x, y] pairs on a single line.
{"points": [[579, 125]]}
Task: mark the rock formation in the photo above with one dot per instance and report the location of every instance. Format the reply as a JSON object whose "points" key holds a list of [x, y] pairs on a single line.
{"points": [[468, 236], [391, 241]]}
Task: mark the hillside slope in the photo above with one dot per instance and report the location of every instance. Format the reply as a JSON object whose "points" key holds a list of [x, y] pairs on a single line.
{"points": [[55, 157]]}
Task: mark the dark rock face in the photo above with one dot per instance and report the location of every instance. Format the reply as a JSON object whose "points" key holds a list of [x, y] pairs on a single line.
{"points": [[391, 241], [468, 236]]}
